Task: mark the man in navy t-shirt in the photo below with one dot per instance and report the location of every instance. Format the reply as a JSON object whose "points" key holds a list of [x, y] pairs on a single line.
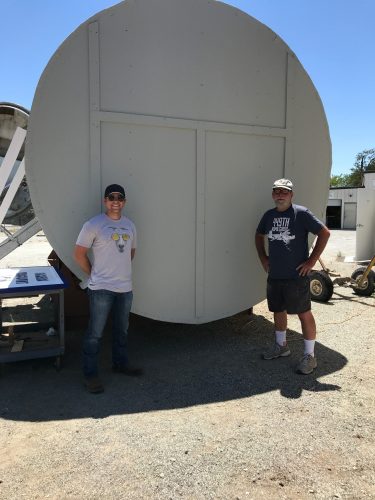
{"points": [[288, 263]]}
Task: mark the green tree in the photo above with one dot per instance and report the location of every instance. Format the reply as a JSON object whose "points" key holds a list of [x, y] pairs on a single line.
{"points": [[339, 180], [364, 162]]}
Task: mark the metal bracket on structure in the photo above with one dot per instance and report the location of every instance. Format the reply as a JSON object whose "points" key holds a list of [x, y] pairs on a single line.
{"points": [[15, 240], [32, 227]]}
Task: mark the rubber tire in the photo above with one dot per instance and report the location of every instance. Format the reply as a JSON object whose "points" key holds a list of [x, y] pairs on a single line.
{"points": [[321, 286], [369, 285]]}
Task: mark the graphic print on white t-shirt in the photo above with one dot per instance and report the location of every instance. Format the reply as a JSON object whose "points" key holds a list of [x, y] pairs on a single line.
{"points": [[280, 230], [120, 236]]}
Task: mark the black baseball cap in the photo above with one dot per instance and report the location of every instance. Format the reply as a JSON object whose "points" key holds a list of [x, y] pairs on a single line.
{"points": [[114, 188]]}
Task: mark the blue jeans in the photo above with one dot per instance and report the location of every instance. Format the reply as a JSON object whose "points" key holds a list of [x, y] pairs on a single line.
{"points": [[101, 303]]}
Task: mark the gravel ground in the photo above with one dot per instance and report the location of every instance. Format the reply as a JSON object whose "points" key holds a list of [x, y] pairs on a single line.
{"points": [[209, 419]]}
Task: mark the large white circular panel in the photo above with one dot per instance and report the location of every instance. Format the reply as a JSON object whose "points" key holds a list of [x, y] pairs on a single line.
{"points": [[196, 108]]}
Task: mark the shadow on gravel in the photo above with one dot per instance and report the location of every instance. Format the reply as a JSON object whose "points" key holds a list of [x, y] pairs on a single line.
{"points": [[185, 365], [357, 299]]}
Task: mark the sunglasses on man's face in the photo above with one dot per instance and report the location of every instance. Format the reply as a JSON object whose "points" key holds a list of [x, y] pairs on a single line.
{"points": [[116, 197], [281, 191]]}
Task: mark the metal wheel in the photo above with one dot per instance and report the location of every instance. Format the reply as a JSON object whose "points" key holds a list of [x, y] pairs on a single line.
{"points": [[321, 286], [368, 286]]}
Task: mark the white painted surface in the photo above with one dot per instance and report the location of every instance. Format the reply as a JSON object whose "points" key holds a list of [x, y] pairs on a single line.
{"points": [[346, 195], [196, 108], [350, 215], [7, 164], [365, 243], [10, 173], [334, 203]]}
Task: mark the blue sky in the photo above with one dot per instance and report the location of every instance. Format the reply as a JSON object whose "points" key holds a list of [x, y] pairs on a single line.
{"points": [[333, 39]]}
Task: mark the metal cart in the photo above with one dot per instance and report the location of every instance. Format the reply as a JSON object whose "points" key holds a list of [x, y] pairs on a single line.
{"points": [[29, 282]]}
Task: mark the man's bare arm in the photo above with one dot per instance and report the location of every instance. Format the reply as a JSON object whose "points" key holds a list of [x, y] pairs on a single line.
{"points": [[321, 242], [80, 256], [261, 249]]}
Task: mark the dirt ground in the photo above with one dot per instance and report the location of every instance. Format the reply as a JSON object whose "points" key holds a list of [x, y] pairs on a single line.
{"points": [[209, 419]]}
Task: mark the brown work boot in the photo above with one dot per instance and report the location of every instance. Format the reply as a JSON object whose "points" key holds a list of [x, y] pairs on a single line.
{"points": [[94, 385]]}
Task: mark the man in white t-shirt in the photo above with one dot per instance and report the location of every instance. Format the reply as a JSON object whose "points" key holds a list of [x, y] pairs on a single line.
{"points": [[111, 239]]}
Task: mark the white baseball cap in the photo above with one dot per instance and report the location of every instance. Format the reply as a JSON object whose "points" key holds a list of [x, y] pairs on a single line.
{"points": [[283, 184]]}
